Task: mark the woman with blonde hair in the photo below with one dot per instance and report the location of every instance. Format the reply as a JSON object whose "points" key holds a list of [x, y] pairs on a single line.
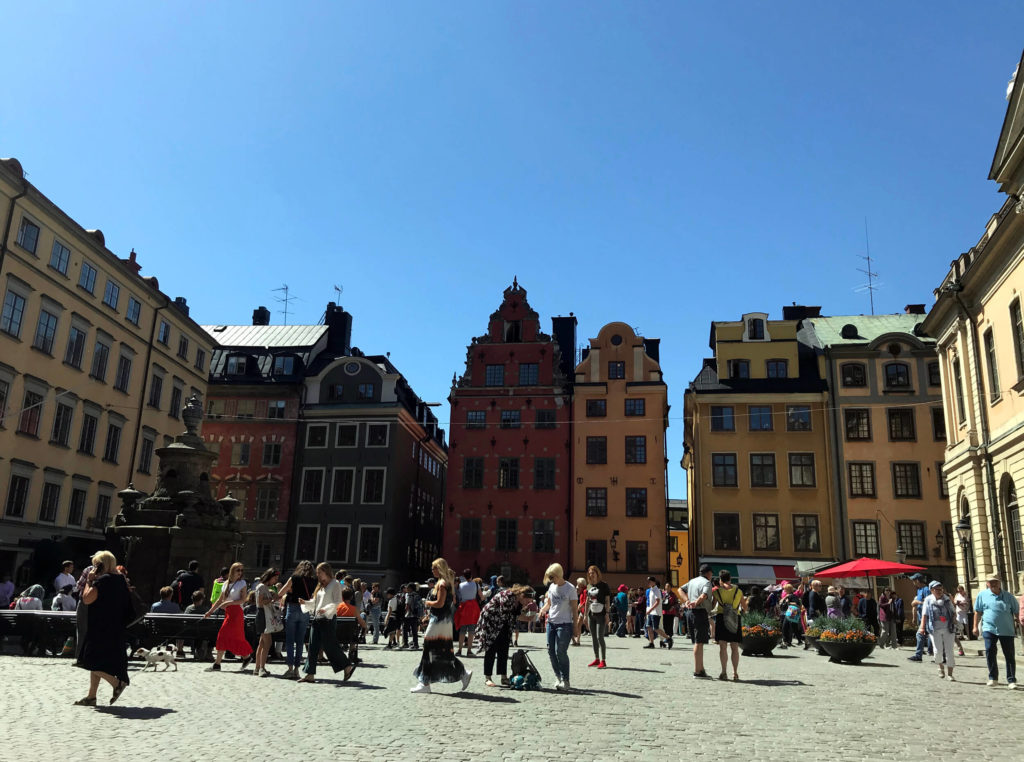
{"points": [[438, 663], [326, 599], [109, 613], [598, 605], [231, 636], [560, 607]]}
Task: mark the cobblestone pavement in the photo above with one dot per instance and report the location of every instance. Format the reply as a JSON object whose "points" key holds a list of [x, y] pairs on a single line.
{"points": [[793, 706]]}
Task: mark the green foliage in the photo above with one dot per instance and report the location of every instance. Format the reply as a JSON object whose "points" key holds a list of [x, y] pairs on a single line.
{"points": [[756, 618], [843, 624]]}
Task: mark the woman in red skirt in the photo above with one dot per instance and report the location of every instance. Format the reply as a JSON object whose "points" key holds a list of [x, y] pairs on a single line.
{"points": [[231, 636]]}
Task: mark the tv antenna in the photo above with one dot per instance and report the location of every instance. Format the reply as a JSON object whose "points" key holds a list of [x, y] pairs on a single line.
{"points": [[285, 300], [871, 286], [338, 290]]}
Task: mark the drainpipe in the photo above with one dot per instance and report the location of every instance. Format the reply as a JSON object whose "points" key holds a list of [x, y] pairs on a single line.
{"points": [[10, 219], [837, 456], [145, 381]]}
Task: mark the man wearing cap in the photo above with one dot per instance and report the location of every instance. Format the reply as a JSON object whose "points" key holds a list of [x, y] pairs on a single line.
{"points": [[698, 596], [938, 618], [994, 612], [919, 596], [622, 609]]}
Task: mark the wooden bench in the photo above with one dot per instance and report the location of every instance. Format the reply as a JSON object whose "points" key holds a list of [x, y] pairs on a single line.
{"points": [[39, 630]]}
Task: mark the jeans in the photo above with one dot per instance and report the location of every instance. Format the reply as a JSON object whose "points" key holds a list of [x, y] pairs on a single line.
{"points": [[559, 636], [498, 649], [324, 637], [598, 632], [922, 642], [791, 630], [1006, 643], [411, 629], [943, 642], [373, 615], [621, 630], [296, 622]]}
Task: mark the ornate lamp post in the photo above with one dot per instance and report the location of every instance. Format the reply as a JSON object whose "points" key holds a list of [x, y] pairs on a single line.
{"points": [[963, 531]]}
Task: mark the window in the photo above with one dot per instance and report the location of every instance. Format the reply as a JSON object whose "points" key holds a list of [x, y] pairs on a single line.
{"points": [[174, 409], [307, 538], [373, 485], [156, 391], [61, 432], [236, 366], [469, 534], [348, 435], [76, 347], [597, 501], [76, 511], [284, 365], [943, 486], [755, 329], [858, 423], [102, 511], [635, 407], [805, 534], [897, 375], [616, 370], [13, 314], [365, 392], [100, 358], [510, 419], [376, 435], [476, 419], [17, 496], [862, 479], [545, 419], [596, 552], [508, 473], [113, 446], [513, 331], [597, 450], [59, 256], [473, 473], [271, 454], [727, 531], [958, 389], [494, 375], [312, 485], [766, 531], [87, 277], [777, 368], [50, 503], [798, 418], [723, 469], [636, 449], [124, 373], [722, 418], [597, 408], [5, 392], [636, 501], [762, 469], [543, 473], [853, 374], [275, 410], [508, 530], [31, 412], [994, 392], [343, 484], [906, 479], [316, 435], [528, 374], [200, 359], [1017, 328], [87, 439], [183, 347], [934, 378], [739, 368], [938, 424], [369, 545], [146, 455], [760, 417], [111, 294], [801, 469], [901, 425], [46, 329], [240, 454], [636, 556], [543, 536], [28, 235], [911, 534], [134, 311], [266, 503], [865, 539]]}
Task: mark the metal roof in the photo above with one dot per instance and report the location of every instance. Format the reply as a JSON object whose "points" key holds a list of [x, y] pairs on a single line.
{"points": [[266, 335], [869, 327]]}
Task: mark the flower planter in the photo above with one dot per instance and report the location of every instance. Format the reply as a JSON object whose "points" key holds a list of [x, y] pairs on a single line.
{"points": [[759, 645], [851, 653]]}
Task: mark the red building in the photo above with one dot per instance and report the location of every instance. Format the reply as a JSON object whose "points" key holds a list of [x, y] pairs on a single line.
{"points": [[510, 457]]}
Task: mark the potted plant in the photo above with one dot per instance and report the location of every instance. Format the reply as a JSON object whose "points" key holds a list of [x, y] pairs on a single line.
{"points": [[761, 634], [847, 640], [813, 633]]}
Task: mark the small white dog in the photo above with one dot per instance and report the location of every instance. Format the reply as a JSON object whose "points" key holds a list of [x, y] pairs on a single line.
{"points": [[159, 654]]}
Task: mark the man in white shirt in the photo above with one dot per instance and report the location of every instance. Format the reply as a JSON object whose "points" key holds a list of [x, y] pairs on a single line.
{"points": [[66, 577], [654, 598], [698, 596]]}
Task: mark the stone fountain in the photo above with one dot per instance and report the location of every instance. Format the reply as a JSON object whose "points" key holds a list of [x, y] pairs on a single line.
{"points": [[180, 521]]}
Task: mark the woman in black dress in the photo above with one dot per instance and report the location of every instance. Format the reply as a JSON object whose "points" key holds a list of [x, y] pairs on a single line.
{"points": [[110, 610]]}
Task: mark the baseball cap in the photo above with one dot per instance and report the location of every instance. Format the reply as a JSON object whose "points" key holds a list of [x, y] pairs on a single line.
{"points": [[705, 568], [917, 575]]}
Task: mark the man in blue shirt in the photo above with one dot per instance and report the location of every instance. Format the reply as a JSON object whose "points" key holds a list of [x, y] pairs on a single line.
{"points": [[994, 612], [922, 639]]}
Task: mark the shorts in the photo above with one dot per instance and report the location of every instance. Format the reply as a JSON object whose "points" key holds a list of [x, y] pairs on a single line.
{"points": [[701, 625], [722, 634], [467, 629], [653, 621]]}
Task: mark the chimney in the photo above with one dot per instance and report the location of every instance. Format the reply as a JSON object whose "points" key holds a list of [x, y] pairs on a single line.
{"points": [[914, 309], [800, 312], [261, 316], [182, 305], [339, 330], [135, 266], [653, 347], [564, 331]]}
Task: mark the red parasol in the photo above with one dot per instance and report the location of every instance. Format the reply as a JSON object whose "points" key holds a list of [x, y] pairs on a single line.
{"points": [[868, 567]]}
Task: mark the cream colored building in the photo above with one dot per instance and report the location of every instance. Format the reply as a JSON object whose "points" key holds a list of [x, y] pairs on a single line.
{"points": [[95, 365]]}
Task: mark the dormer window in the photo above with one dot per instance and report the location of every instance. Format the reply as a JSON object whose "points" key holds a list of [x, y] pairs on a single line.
{"points": [[897, 375], [854, 374], [755, 329], [236, 365], [284, 365]]}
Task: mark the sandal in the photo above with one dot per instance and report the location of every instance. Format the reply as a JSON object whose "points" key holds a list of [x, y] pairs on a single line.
{"points": [[87, 701], [348, 672], [490, 683], [121, 685]]}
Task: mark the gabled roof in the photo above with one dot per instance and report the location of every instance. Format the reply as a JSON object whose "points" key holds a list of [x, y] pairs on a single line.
{"points": [[1011, 137], [829, 330], [266, 336]]}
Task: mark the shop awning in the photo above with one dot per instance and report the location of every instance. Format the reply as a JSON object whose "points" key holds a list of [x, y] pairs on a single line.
{"points": [[752, 571]]}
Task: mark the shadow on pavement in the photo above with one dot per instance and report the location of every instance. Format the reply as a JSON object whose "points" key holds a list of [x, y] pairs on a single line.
{"points": [[869, 664], [353, 684], [637, 669], [597, 691], [135, 712], [481, 697], [773, 683]]}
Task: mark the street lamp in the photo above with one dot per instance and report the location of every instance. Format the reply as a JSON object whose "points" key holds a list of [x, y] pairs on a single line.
{"points": [[901, 554], [679, 560], [963, 531]]}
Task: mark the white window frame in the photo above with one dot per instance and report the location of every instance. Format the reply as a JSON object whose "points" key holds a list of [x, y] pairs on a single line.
{"points": [[302, 486], [387, 437], [348, 543], [298, 530], [359, 541], [327, 436], [353, 496], [383, 486], [355, 439]]}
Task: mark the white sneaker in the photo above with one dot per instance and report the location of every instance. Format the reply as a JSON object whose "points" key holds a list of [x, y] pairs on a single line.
{"points": [[559, 686], [992, 683], [420, 688], [951, 678], [465, 679], [1011, 686]]}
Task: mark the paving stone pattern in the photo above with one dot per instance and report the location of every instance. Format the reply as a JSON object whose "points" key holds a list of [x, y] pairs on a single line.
{"points": [[645, 706]]}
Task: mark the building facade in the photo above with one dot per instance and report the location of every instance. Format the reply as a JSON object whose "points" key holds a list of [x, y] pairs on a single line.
{"points": [[510, 491], [680, 569], [619, 419], [757, 449], [978, 326], [95, 366]]}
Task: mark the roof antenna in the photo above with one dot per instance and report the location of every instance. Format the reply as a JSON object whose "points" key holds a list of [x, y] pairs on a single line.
{"points": [[285, 300], [338, 290], [870, 286]]}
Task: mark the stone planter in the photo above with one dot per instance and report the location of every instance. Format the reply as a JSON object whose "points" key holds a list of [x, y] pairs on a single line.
{"points": [[850, 653], [759, 645]]}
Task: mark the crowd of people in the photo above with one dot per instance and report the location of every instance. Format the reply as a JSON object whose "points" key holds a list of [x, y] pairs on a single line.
{"points": [[451, 618]]}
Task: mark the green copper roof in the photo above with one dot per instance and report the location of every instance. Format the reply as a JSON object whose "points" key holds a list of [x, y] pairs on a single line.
{"points": [[829, 330]]}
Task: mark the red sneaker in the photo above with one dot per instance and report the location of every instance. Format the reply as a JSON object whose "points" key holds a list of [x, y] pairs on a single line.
{"points": [[594, 663], [601, 665]]}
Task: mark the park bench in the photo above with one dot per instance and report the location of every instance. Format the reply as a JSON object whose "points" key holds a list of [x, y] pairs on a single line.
{"points": [[38, 630]]}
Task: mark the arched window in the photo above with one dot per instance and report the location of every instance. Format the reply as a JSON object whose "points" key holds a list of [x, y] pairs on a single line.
{"points": [[853, 374], [897, 375], [1008, 493]]}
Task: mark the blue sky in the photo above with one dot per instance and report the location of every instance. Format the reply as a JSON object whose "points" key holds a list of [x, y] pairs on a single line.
{"points": [[664, 164]]}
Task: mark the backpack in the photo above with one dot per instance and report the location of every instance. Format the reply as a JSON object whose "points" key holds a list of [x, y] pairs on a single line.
{"points": [[730, 614], [522, 666], [400, 607]]}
